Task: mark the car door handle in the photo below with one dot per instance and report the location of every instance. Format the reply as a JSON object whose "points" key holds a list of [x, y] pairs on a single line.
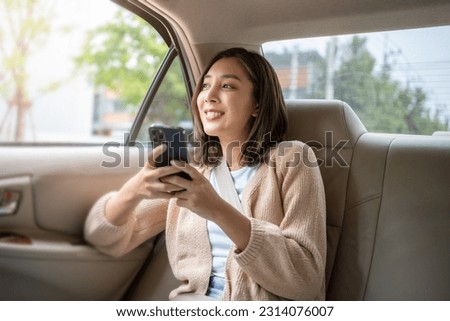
{"points": [[9, 202]]}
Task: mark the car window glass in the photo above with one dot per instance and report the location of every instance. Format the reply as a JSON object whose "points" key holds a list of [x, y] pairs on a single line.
{"points": [[396, 82], [170, 107], [73, 71]]}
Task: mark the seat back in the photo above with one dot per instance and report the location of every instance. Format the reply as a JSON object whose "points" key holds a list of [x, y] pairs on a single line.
{"points": [[410, 253], [388, 205], [332, 129], [395, 237]]}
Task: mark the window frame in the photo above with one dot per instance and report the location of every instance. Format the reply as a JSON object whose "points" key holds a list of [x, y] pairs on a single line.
{"points": [[150, 95], [169, 36]]}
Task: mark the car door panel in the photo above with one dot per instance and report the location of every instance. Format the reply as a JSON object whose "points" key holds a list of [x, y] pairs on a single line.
{"points": [[57, 187], [22, 216], [57, 268]]}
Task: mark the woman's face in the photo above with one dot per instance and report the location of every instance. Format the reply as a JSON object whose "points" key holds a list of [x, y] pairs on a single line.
{"points": [[226, 102]]}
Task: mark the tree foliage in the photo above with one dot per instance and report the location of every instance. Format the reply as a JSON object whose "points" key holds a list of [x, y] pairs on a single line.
{"points": [[124, 55], [354, 81], [381, 102]]}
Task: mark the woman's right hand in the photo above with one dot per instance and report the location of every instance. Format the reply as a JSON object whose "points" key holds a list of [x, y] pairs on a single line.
{"points": [[146, 184]]}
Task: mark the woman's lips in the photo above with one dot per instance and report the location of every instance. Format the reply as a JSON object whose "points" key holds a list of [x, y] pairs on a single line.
{"points": [[213, 114]]}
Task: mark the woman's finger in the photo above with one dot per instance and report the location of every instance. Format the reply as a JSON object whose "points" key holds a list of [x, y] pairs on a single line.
{"points": [[163, 195], [161, 172], [185, 167], [156, 152]]}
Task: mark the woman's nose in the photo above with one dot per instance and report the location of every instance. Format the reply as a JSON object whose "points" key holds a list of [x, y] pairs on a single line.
{"points": [[211, 95]]}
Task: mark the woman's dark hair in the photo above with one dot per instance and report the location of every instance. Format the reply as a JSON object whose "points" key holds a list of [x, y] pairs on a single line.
{"points": [[267, 128]]}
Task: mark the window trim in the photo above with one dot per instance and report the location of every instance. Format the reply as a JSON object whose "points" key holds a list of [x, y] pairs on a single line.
{"points": [[150, 95], [162, 26]]}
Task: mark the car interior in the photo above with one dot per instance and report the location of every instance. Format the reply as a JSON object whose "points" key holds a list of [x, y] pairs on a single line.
{"points": [[387, 195]]}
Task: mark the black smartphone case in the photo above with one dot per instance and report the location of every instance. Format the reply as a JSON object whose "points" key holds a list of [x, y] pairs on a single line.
{"points": [[175, 139]]}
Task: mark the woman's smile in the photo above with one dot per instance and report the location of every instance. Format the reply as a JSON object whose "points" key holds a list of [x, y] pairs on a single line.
{"points": [[213, 114]]}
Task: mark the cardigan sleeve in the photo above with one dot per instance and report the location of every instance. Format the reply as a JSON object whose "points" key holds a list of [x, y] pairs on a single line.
{"points": [[146, 221], [289, 259]]}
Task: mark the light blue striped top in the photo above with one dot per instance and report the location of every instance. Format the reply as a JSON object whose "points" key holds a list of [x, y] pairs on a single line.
{"points": [[220, 242]]}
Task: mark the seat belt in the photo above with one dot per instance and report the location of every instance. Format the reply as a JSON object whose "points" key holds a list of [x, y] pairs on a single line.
{"points": [[226, 186]]}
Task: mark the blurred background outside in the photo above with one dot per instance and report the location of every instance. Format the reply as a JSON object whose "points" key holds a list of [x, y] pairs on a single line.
{"points": [[76, 71]]}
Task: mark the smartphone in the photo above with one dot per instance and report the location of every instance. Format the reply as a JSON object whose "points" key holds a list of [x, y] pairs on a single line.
{"points": [[176, 141]]}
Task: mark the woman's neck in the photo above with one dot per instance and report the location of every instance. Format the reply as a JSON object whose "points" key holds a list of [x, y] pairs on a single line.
{"points": [[232, 154]]}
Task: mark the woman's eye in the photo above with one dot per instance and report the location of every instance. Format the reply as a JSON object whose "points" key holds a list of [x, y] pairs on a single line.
{"points": [[227, 86], [205, 86]]}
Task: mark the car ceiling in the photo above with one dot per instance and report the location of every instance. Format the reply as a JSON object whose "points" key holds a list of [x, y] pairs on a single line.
{"points": [[258, 21]]}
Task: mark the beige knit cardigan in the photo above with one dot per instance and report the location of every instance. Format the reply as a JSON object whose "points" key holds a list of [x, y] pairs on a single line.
{"points": [[285, 257]]}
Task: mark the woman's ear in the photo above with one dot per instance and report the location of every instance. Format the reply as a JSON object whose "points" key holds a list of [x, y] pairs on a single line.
{"points": [[256, 111]]}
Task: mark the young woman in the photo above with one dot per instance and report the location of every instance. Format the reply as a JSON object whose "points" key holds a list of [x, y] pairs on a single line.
{"points": [[276, 247]]}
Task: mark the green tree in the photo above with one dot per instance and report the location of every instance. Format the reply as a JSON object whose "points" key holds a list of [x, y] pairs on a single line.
{"points": [[388, 112], [123, 55], [354, 81], [381, 102], [316, 74], [24, 27], [417, 116]]}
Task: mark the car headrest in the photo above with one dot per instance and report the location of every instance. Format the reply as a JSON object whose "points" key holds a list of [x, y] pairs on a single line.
{"points": [[310, 120]]}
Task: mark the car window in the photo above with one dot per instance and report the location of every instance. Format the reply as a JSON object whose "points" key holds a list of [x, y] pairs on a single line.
{"points": [[170, 107], [396, 82], [73, 71]]}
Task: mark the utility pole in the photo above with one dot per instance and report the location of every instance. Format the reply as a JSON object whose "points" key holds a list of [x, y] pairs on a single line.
{"points": [[294, 73], [331, 56]]}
